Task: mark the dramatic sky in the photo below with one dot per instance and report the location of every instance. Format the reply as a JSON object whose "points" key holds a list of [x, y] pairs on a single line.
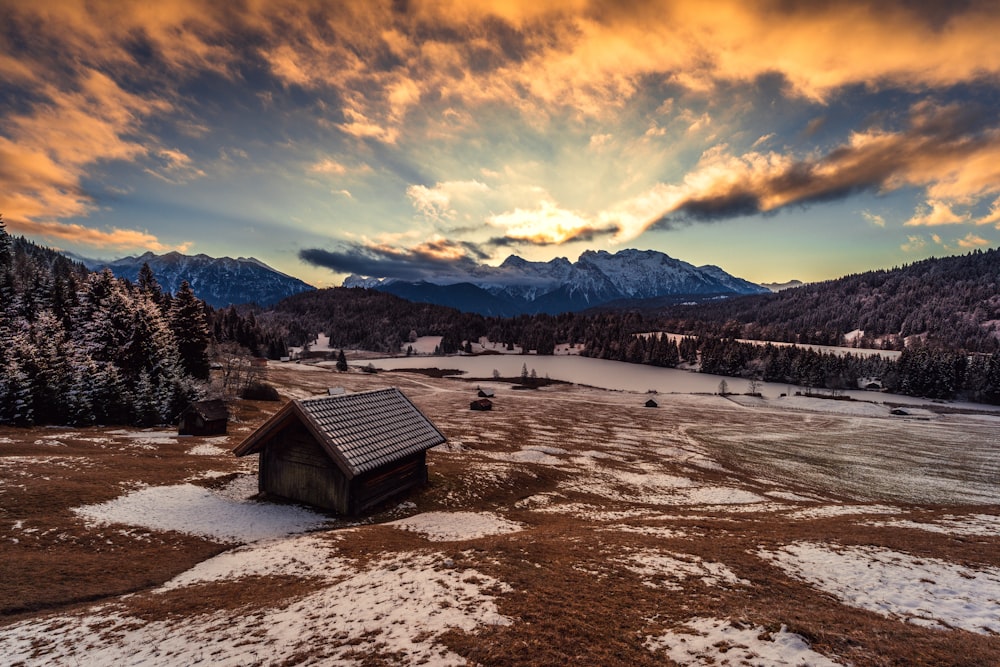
{"points": [[776, 139]]}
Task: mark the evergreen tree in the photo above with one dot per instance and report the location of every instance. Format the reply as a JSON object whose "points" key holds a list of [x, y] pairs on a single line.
{"points": [[190, 329], [341, 362], [6, 270], [147, 284]]}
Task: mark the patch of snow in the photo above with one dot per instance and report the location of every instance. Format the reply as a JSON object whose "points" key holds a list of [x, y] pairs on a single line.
{"points": [[594, 513], [456, 526], [664, 570], [194, 510], [21, 465], [827, 511], [650, 486], [718, 495], [424, 344], [206, 449], [537, 500], [706, 641], [793, 497], [652, 531], [813, 404], [548, 450], [298, 556], [926, 591], [528, 455], [977, 524], [242, 487], [397, 605]]}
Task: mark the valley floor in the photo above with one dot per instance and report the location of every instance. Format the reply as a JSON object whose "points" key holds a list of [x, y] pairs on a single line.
{"points": [[569, 525]]}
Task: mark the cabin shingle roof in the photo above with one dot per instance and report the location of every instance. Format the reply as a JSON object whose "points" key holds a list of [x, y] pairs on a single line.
{"points": [[362, 431]]}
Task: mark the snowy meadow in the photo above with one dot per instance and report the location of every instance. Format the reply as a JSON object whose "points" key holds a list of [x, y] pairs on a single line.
{"points": [[570, 524]]}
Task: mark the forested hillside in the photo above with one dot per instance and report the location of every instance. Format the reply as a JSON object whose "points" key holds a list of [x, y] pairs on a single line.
{"points": [[952, 302], [366, 319], [87, 348], [358, 318]]}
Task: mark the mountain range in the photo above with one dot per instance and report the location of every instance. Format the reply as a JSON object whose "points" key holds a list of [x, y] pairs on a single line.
{"points": [[597, 278], [217, 281]]}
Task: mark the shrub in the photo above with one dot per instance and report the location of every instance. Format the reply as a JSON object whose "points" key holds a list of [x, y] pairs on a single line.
{"points": [[260, 391]]}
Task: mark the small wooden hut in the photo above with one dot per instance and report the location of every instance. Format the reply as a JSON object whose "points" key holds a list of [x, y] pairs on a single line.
{"points": [[485, 393], [345, 453], [651, 404], [204, 418], [481, 404]]}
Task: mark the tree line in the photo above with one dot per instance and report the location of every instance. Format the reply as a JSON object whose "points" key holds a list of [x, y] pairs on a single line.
{"points": [[84, 348], [950, 302], [357, 318]]}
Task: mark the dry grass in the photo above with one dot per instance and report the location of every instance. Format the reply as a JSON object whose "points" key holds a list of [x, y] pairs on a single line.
{"points": [[586, 510]]}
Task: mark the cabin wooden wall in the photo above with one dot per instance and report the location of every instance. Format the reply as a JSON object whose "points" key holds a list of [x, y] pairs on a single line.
{"points": [[371, 488], [194, 424], [295, 466]]}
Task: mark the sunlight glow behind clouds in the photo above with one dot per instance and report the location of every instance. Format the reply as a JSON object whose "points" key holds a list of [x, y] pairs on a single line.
{"points": [[558, 122]]}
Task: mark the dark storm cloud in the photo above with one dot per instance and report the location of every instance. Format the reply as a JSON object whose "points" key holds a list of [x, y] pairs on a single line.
{"points": [[956, 139], [432, 260]]}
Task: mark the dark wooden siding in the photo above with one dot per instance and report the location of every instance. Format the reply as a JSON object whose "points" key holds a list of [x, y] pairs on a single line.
{"points": [[372, 488], [194, 424], [295, 466]]}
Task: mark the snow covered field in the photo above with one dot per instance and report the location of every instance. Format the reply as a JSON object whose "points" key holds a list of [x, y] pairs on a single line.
{"points": [[570, 525]]}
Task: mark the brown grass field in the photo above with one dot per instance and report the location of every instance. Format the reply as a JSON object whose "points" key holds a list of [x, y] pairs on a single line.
{"points": [[638, 529]]}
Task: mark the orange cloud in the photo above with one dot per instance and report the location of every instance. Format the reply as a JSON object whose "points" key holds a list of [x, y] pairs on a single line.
{"points": [[942, 151], [993, 216], [972, 241], [585, 56], [47, 150], [118, 239], [936, 213]]}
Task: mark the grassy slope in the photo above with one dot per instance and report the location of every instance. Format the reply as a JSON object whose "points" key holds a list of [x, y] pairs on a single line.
{"points": [[599, 483]]}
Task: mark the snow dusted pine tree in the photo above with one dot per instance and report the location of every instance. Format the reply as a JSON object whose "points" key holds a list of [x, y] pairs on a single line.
{"points": [[190, 328], [78, 348], [15, 391]]}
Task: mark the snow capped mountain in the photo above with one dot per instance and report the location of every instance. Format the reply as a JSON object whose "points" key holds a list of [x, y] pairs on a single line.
{"points": [[354, 280], [217, 281], [777, 287], [520, 286]]}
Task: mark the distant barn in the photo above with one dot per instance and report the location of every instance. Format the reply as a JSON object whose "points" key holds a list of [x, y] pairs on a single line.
{"points": [[485, 393], [204, 418], [481, 404], [651, 404], [346, 453]]}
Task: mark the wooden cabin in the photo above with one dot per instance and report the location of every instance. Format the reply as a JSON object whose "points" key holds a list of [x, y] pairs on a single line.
{"points": [[204, 418], [485, 393], [651, 404], [481, 404], [345, 453]]}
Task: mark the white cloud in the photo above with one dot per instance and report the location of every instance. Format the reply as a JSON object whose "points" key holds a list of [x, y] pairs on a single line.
{"points": [[328, 166], [993, 217], [873, 218], [546, 224], [970, 241], [936, 213], [913, 244]]}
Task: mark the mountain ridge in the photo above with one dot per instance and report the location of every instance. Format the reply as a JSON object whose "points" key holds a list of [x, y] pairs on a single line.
{"points": [[519, 286], [219, 281]]}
